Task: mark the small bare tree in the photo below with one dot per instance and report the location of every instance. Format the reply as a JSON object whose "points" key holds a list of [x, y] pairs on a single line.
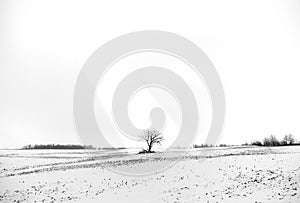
{"points": [[151, 137], [271, 141], [289, 139]]}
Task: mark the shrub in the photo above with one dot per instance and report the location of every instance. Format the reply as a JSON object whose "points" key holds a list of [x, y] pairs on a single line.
{"points": [[256, 143]]}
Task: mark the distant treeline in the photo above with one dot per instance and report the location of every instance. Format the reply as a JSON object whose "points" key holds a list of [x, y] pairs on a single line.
{"points": [[288, 140], [58, 146], [202, 146], [273, 141], [111, 148], [207, 145]]}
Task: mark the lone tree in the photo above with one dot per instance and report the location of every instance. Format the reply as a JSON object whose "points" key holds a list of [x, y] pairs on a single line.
{"points": [[151, 137]]}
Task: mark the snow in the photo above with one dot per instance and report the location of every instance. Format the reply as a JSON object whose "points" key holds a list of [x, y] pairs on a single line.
{"points": [[229, 174]]}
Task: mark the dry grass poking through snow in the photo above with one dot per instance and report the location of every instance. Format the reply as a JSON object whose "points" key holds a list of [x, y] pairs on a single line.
{"points": [[242, 174]]}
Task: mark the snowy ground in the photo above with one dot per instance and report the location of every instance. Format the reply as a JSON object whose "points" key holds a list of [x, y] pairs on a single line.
{"points": [[236, 174]]}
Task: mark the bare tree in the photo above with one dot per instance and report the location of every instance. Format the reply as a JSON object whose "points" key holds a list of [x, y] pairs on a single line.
{"points": [[151, 137], [271, 141], [289, 139]]}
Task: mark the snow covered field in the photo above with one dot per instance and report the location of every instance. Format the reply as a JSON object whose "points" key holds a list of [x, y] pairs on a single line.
{"points": [[232, 174]]}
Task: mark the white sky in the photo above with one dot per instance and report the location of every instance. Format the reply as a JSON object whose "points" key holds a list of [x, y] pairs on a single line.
{"points": [[254, 45]]}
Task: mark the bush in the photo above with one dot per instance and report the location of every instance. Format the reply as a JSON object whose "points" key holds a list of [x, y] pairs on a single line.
{"points": [[144, 151], [256, 143]]}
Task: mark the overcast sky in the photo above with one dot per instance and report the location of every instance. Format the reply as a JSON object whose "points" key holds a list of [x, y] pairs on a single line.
{"points": [[254, 45]]}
